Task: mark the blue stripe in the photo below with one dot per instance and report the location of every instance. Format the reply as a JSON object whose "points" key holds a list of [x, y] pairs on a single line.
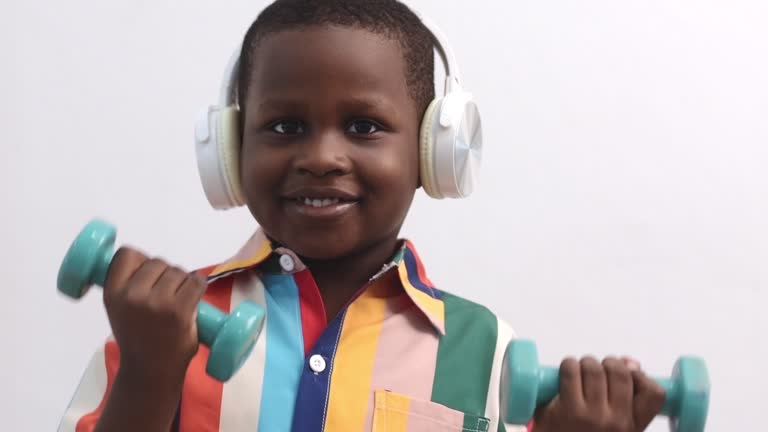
{"points": [[413, 275], [285, 353], [312, 400]]}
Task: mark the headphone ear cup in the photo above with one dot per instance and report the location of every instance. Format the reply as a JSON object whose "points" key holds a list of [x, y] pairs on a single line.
{"points": [[229, 152], [427, 139], [451, 146], [217, 145]]}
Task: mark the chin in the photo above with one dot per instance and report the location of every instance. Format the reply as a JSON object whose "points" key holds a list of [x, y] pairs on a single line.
{"points": [[322, 250], [319, 244]]}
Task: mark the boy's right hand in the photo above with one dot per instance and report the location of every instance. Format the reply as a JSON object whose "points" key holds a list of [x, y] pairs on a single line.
{"points": [[152, 308]]}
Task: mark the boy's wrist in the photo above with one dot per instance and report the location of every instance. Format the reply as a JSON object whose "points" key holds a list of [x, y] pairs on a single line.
{"points": [[138, 401], [139, 381]]}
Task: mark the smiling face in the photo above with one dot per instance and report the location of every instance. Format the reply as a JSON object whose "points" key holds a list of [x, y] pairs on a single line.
{"points": [[330, 140]]}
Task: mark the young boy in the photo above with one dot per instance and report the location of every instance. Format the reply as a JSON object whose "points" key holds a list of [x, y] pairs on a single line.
{"points": [[332, 95]]}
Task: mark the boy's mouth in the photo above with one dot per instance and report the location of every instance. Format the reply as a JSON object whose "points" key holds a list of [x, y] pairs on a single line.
{"points": [[320, 202]]}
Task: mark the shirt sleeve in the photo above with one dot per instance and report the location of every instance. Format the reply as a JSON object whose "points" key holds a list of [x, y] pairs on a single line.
{"points": [[87, 403]]}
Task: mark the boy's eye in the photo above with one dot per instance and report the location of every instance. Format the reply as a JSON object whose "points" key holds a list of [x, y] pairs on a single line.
{"points": [[288, 127], [363, 127]]}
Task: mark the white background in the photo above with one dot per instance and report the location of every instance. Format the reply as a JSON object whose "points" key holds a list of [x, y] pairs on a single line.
{"points": [[622, 208]]}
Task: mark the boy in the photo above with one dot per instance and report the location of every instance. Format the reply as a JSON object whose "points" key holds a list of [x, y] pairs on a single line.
{"points": [[331, 95]]}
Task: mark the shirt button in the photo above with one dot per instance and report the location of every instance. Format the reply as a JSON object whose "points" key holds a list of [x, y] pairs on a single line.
{"points": [[317, 363], [286, 262]]}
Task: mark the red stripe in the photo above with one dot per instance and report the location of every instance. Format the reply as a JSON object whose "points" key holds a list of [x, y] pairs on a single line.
{"points": [[112, 363], [201, 397], [313, 320], [422, 274]]}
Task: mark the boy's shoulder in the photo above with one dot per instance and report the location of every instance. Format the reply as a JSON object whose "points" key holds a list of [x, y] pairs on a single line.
{"points": [[471, 318]]}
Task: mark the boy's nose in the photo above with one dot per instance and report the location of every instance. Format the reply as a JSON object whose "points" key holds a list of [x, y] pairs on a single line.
{"points": [[324, 154]]}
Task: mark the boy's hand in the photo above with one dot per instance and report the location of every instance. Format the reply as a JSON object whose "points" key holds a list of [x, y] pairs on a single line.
{"points": [[152, 308], [613, 396]]}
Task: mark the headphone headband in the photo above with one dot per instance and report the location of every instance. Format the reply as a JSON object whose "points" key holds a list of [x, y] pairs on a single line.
{"points": [[451, 66]]}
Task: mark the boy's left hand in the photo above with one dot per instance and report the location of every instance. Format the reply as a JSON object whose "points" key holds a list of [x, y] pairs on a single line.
{"points": [[615, 396]]}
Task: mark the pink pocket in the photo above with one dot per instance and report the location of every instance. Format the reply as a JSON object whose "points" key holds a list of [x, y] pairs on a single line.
{"points": [[395, 412]]}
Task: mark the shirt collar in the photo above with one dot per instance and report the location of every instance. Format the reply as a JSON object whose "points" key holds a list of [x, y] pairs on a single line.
{"points": [[412, 276]]}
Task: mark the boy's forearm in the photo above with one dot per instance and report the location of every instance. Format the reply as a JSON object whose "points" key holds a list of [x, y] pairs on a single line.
{"points": [[136, 404]]}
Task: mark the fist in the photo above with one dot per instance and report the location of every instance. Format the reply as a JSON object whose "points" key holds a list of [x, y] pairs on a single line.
{"points": [[615, 396], [152, 308]]}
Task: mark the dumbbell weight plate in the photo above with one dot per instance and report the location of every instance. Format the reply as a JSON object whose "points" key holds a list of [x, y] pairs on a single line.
{"points": [[694, 387], [520, 381], [81, 265], [235, 341]]}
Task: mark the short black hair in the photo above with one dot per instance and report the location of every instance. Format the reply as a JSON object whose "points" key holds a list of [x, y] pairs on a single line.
{"points": [[388, 18]]}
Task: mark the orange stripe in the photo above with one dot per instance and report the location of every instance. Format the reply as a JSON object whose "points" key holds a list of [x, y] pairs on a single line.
{"points": [[201, 397], [112, 363], [353, 363], [391, 412]]}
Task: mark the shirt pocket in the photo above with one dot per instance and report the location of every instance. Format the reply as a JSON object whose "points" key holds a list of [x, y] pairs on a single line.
{"points": [[394, 412]]}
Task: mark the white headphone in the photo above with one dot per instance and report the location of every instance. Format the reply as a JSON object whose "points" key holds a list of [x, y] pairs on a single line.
{"points": [[450, 142]]}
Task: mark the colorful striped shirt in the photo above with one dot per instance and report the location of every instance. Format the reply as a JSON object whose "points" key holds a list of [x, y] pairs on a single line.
{"points": [[401, 356]]}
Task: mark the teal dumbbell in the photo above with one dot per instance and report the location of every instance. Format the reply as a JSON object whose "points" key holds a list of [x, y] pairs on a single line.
{"points": [[527, 386], [231, 338]]}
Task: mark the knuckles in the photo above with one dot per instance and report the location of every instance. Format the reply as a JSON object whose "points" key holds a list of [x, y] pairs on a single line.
{"points": [[590, 367], [617, 370]]}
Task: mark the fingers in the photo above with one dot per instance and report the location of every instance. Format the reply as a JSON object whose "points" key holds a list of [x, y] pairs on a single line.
{"points": [[168, 284], [124, 264], [620, 392], [649, 399], [191, 290], [609, 395], [620, 385], [571, 390], [133, 275], [595, 382]]}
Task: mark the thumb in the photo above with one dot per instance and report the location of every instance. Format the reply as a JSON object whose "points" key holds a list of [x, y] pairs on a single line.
{"points": [[545, 417], [649, 399]]}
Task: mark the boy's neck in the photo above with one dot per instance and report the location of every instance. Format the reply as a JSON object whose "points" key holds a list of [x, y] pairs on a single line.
{"points": [[340, 279]]}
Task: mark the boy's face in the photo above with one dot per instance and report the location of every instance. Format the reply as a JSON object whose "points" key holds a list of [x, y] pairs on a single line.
{"points": [[330, 140]]}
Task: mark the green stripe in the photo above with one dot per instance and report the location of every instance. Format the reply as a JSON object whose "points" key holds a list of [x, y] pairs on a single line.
{"points": [[476, 423], [465, 357]]}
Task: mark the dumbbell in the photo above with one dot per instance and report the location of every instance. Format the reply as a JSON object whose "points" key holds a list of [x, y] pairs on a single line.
{"points": [[231, 338], [527, 386]]}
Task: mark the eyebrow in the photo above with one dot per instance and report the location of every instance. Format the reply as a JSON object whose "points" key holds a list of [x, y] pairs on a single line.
{"points": [[356, 103], [369, 102], [279, 105]]}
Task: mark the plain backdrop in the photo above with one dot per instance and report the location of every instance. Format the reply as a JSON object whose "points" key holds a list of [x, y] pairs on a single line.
{"points": [[622, 207]]}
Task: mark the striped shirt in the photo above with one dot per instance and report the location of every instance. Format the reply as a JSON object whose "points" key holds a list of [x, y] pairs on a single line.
{"points": [[401, 356]]}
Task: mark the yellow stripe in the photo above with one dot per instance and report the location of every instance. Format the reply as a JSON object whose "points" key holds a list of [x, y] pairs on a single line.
{"points": [[350, 390], [260, 256], [391, 412], [432, 307]]}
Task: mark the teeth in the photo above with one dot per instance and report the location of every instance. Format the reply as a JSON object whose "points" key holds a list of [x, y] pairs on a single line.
{"points": [[319, 202]]}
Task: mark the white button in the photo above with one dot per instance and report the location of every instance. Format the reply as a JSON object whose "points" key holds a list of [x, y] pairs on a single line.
{"points": [[286, 262], [317, 363]]}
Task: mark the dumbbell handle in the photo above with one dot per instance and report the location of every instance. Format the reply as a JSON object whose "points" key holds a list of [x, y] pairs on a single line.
{"points": [[549, 387], [209, 318]]}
